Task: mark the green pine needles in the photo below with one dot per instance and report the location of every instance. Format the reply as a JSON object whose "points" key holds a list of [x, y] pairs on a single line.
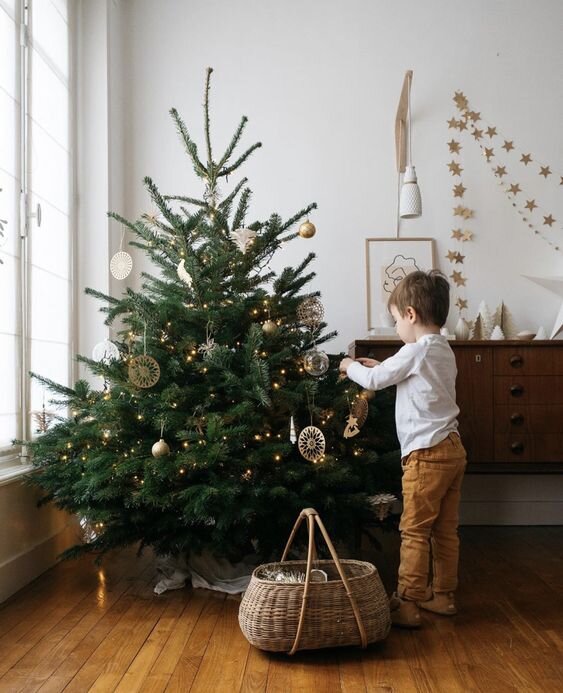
{"points": [[232, 482]]}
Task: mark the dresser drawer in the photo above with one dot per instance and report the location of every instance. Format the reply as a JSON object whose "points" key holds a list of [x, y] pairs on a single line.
{"points": [[546, 447], [541, 389], [519, 418], [528, 361]]}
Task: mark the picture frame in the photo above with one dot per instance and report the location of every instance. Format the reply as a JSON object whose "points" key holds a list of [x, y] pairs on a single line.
{"points": [[388, 260]]}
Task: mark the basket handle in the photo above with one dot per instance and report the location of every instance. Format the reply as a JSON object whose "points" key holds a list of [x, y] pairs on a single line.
{"points": [[312, 516]]}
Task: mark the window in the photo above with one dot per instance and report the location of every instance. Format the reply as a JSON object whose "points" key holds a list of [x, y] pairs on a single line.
{"points": [[35, 166]]}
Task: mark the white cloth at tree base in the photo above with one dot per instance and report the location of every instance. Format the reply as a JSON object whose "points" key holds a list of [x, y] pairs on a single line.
{"points": [[206, 571]]}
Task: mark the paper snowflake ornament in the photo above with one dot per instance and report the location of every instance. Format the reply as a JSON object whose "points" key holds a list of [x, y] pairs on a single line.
{"points": [[243, 239]]}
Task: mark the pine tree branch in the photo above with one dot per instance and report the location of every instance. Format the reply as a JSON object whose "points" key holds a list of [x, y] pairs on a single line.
{"points": [[299, 215], [236, 137], [210, 166], [227, 171], [190, 145], [189, 200]]}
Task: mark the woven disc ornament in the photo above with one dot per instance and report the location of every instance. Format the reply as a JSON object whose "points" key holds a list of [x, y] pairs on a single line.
{"points": [[121, 264], [311, 443], [144, 371], [315, 362], [310, 311], [359, 410]]}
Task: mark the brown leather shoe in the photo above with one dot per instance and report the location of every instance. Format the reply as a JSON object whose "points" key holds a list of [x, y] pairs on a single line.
{"points": [[440, 603], [404, 613]]}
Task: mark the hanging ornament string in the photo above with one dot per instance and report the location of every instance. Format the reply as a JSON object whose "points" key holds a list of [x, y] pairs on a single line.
{"points": [[311, 441], [121, 263], [352, 429], [144, 371]]}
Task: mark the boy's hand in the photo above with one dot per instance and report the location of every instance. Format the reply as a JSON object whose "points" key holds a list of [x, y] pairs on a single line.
{"points": [[343, 367], [368, 363]]}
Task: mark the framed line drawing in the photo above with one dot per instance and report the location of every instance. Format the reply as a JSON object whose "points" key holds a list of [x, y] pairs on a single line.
{"points": [[388, 260]]}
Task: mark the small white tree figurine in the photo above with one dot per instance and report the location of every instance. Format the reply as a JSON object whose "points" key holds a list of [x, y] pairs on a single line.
{"points": [[487, 322], [503, 318]]}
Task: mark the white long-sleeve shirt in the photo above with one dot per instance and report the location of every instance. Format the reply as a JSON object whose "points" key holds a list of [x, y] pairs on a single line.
{"points": [[424, 373]]}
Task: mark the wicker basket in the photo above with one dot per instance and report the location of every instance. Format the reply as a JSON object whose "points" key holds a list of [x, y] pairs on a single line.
{"points": [[351, 608]]}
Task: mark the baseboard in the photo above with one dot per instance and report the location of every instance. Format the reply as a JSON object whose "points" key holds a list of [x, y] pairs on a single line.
{"points": [[20, 570], [505, 512]]}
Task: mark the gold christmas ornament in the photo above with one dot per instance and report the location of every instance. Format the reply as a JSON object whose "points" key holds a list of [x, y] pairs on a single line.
{"points": [[270, 328], [352, 428], [160, 448], [310, 312], [311, 443], [360, 409], [144, 371], [307, 229]]}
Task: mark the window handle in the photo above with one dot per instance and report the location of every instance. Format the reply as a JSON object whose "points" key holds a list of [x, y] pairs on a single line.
{"points": [[36, 214]]}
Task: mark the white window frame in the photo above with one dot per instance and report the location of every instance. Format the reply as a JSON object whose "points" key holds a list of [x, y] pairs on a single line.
{"points": [[13, 459]]}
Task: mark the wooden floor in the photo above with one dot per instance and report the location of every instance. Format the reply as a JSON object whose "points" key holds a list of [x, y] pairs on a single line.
{"points": [[80, 628]]}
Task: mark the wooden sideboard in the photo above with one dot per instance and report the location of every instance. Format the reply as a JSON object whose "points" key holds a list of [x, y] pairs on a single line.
{"points": [[510, 395]]}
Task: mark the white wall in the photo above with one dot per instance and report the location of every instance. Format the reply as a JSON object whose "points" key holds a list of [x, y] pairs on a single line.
{"points": [[320, 82], [31, 538]]}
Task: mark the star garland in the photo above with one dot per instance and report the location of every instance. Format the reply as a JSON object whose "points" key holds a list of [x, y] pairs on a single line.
{"points": [[461, 213], [494, 145]]}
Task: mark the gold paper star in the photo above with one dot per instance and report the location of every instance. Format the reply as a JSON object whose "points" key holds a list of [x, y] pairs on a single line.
{"points": [[467, 235], [455, 168], [459, 258], [491, 132], [458, 278], [451, 255], [561, 181], [467, 213], [461, 211], [457, 234], [525, 159], [500, 171], [474, 115], [460, 100], [462, 125], [452, 123], [459, 190], [531, 205], [489, 152], [454, 146], [508, 145], [514, 189], [477, 134], [461, 303], [548, 220], [545, 171]]}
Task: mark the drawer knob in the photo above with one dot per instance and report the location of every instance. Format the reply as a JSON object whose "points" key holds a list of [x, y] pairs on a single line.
{"points": [[516, 361], [516, 390], [517, 447], [517, 418]]}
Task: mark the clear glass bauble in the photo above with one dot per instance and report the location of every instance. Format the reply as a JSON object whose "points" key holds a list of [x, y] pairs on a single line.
{"points": [[315, 362]]}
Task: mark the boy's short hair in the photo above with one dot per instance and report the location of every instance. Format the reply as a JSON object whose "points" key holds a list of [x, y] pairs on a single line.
{"points": [[427, 292]]}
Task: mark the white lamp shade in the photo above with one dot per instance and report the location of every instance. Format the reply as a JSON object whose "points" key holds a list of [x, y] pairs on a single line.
{"points": [[410, 202]]}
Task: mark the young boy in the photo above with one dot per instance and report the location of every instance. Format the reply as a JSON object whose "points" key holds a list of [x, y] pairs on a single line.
{"points": [[433, 458]]}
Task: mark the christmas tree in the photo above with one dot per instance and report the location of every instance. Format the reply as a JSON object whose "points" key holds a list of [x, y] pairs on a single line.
{"points": [[215, 371]]}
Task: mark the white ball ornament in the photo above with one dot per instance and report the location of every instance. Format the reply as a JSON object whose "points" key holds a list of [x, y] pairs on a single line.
{"points": [[160, 448]]}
